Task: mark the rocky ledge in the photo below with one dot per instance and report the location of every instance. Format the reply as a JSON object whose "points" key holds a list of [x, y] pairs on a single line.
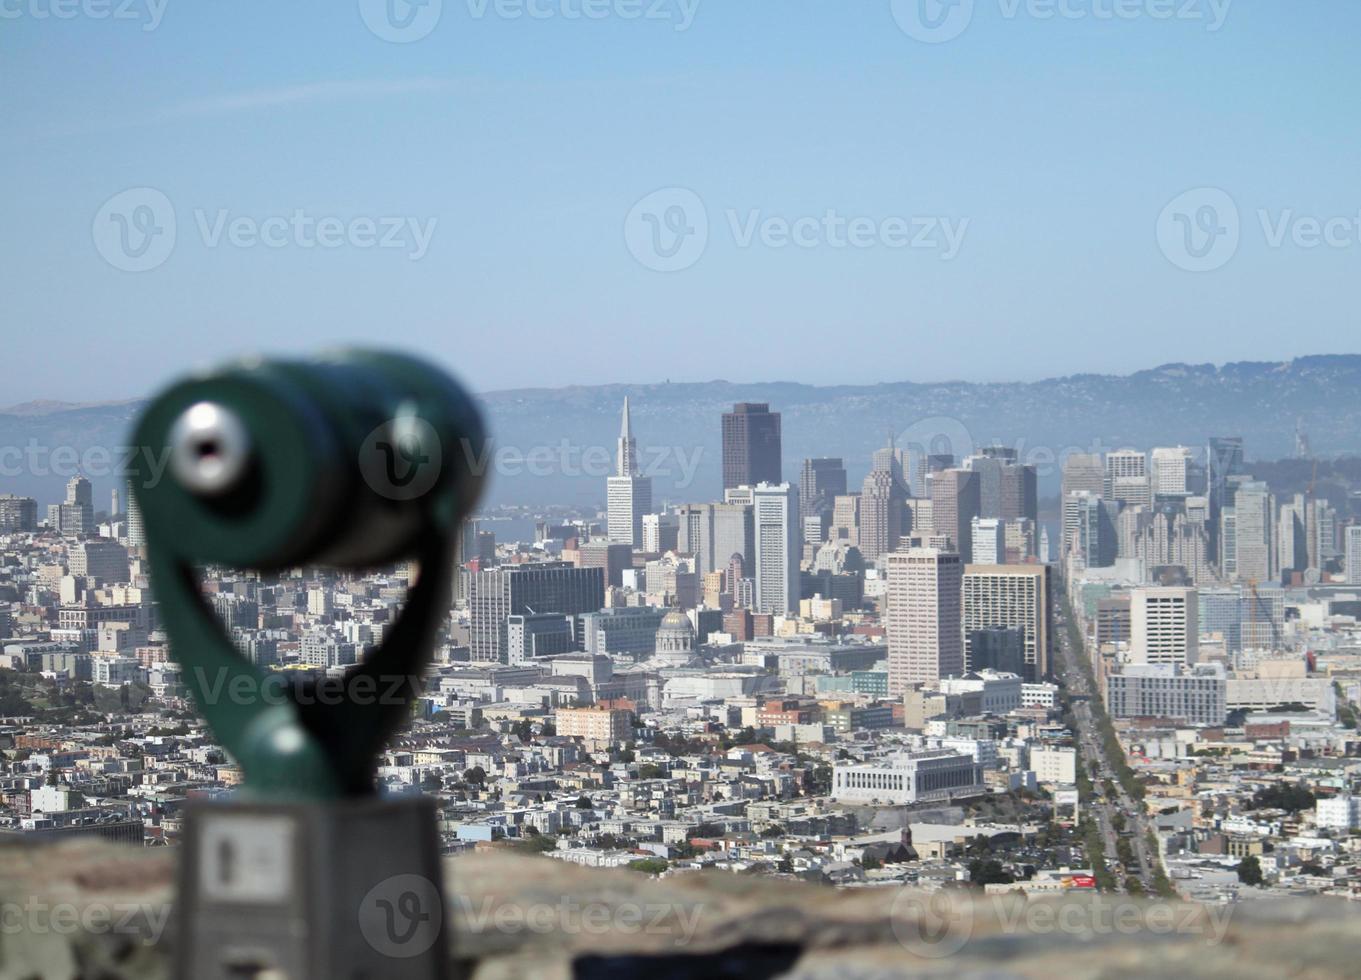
{"points": [[86, 909]]}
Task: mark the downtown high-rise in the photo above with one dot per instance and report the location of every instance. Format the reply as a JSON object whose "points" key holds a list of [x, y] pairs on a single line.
{"points": [[751, 446]]}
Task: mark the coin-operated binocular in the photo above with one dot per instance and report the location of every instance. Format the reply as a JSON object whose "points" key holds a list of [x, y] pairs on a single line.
{"points": [[353, 461]]}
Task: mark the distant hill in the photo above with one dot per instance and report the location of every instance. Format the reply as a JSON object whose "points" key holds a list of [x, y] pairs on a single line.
{"points": [[567, 435]]}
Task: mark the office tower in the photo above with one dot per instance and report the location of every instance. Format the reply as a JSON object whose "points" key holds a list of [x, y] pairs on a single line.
{"points": [[1164, 626], [820, 483], [954, 505], [99, 560], [884, 519], [613, 557], [80, 492], [1228, 543], [998, 648], [1325, 527], [629, 494], [1019, 493], [1126, 478], [1255, 551], [1089, 529], [1292, 525], [115, 508], [1014, 597], [734, 534], [76, 515], [1006, 489], [846, 519], [18, 513], [1083, 473], [516, 590], [713, 533], [1352, 554], [1019, 541], [1224, 458], [695, 534], [1171, 471], [925, 618], [661, 532], [1046, 549], [775, 513], [751, 446], [1263, 618], [989, 541]]}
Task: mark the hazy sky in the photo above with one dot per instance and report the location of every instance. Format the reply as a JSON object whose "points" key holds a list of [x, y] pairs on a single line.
{"points": [[987, 191]]}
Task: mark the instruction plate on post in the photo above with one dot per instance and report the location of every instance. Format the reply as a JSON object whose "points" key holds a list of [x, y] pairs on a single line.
{"points": [[247, 859]]}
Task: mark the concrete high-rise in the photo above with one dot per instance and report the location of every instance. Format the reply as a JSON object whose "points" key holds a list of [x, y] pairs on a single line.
{"points": [[1352, 554], [1224, 460], [1171, 471], [954, 505], [776, 560], [1006, 488], [535, 589], [925, 618], [989, 541], [1013, 597], [1127, 478], [751, 446], [1164, 626], [629, 495], [820, 483], [1254, 533], [884, 518]]}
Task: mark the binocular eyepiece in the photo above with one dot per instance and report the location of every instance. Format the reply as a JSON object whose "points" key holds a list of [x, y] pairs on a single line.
{"points": [[345, 461]]}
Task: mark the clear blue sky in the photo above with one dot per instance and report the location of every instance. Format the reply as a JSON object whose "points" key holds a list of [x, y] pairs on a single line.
{"points": [[529, 140]]}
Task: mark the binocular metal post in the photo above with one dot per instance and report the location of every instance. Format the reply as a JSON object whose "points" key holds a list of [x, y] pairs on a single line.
{"points": [[355, 462]]}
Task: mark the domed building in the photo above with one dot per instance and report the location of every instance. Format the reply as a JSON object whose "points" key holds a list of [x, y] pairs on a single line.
{"points": [[675, 636]]}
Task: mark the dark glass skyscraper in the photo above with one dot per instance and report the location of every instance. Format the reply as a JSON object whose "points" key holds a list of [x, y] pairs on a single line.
{"points": [[751, 446]]}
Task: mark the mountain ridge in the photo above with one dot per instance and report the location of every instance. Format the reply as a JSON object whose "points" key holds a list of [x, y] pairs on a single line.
{"points": [[678, 423]]}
